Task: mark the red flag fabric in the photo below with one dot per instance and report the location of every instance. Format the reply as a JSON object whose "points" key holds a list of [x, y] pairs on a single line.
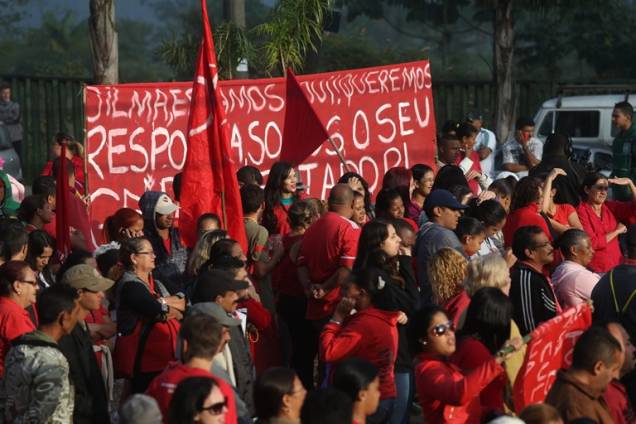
{"points": [[303, 132], [549, 350], [209, 181]]}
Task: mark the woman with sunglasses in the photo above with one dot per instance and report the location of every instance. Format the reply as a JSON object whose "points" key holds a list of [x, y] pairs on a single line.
{"points": [[604, 220], [446, 393], [18, 287], [278, 396], [197, 400], [370, 333], [147, 317]]}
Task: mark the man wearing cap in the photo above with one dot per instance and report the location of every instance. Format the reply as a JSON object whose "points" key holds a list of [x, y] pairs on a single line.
{"points": [[202, 337], [216, 288], [171, 256], [443, 211], [485, 144], [91, 401]]}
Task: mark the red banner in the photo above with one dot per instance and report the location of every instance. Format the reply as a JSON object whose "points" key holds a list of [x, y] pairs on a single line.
{"points": [[549, 350], [378, 117]]}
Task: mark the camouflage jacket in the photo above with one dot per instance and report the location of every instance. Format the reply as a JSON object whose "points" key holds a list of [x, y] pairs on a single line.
{"points": [[36, 387]]}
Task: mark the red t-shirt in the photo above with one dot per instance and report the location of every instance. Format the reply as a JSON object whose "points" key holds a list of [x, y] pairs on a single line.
{"points": [[285, 275], [14, 322], [331, 242], [522, 217], [562, 213], [164, 385]]}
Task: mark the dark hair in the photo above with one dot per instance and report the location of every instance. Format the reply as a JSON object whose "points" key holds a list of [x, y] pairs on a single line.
{"points": [[61, 137], [269, 389], [557, 144], [188, 399], [539, 413], [176, 185], [11, 272], [4, 86], [45, 185], [459, 192], [399, 178], [328, 405], [595, 344], [402, 225], [468, 226], [418, 328], [528, 191], [488, 318], [449, 176], [57, 164], [465, 129], [38, 241], [569, 239], [106, 261], [367, 194], [14, 238], [419, 170], [252, 197], [383, 201], [30, 205], [55, 300], [369, 252], [76, 257], [203, 334], [249, 175], [301, 214], [449, 127], [129, 247], [589, 180], [625, 108], [208, 215], [523, 239], [277, 174], [523, 121], [489, 212], [501, 188], [222, 248], [123, 218], [354, 375]]}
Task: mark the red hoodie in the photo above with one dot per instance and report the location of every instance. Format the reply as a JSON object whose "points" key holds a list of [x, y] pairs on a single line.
{"points": [[446, 394], [164, 385], [370, 334]]}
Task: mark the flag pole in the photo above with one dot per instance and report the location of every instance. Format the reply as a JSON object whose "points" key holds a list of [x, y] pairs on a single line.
{"points": [[223, 210], [339, 153]]}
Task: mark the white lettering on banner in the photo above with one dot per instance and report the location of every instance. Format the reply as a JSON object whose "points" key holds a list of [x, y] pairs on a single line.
{"points": [[306, 168], [387, 121], [364, 131], [95, 117], [236, 142], [139, 149], [176, 102], [117, 113], [116, 150], [327, 181], [259, 141], [101, 131], [141, 106]]}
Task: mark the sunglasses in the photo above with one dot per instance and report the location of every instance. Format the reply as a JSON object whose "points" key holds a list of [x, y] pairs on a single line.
{"points": [[215, 408], [443, 329]]}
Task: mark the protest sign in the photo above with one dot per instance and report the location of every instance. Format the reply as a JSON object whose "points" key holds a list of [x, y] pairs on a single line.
{"points": [[379, 118], [549, 350]]}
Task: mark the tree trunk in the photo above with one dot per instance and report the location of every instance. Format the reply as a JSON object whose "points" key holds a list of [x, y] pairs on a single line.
{"points": [[503, 58], [234, 11], [103, 41]]}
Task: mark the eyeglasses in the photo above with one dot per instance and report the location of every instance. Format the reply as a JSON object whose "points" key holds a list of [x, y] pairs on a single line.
{"points": [[215, 408], [442, 329], [146, 253], [600, 187], [541, 246], [33, 283]]}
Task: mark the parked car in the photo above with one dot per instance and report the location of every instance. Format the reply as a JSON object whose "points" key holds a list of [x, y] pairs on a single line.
{"points": [[9, 156]]}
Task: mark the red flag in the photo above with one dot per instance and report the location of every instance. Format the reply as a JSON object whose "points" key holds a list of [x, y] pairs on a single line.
{"points": [[303, 132], [209, 177]]}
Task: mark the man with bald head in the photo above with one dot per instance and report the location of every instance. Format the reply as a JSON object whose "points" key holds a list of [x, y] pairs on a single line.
{"points": [[327, 251]]}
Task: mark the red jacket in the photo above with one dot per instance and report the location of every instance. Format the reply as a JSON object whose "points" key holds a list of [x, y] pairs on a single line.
{"points": [[14, 322], [78, 165], [456, 306], [446, 394], [370, 334], [607, 255], [522, 217], [164, 385], [618, 403], [470, 354]]}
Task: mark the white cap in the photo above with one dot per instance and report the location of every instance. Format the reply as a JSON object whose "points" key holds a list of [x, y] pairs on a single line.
{"points": [[165, 205]]}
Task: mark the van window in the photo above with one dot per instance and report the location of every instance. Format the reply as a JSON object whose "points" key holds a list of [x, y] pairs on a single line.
{"points": [[575, 123]]}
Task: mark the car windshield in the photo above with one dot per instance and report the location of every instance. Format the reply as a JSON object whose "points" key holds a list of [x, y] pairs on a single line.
{"points": [[575, 123]]}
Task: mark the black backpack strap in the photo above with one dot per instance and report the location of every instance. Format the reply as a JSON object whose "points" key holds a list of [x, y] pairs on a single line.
{"points": [[141, 347], [553, 233]]}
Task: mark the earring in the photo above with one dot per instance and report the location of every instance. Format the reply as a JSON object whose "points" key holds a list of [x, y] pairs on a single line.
{"points": [[19, 292]]}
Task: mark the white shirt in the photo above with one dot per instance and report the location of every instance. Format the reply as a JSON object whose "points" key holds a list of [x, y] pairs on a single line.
{"points": [[486, 138], [513, 153]]}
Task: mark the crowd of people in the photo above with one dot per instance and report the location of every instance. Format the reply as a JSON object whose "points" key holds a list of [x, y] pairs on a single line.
{"points": [[405, 304]]}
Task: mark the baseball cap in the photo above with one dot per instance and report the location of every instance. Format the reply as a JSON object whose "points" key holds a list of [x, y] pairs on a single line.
{"points": [[216, 282], [217, 312], [86, 277], [442, 198], [165, 205], [631, 235]]}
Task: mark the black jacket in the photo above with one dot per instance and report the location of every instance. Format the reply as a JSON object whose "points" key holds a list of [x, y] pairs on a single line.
{"points": [[532, 297], [91, 401], [243, 366]]}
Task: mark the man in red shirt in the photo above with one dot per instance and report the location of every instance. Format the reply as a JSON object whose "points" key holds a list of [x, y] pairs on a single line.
{"points": [[326, 256], [202, 337]]}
